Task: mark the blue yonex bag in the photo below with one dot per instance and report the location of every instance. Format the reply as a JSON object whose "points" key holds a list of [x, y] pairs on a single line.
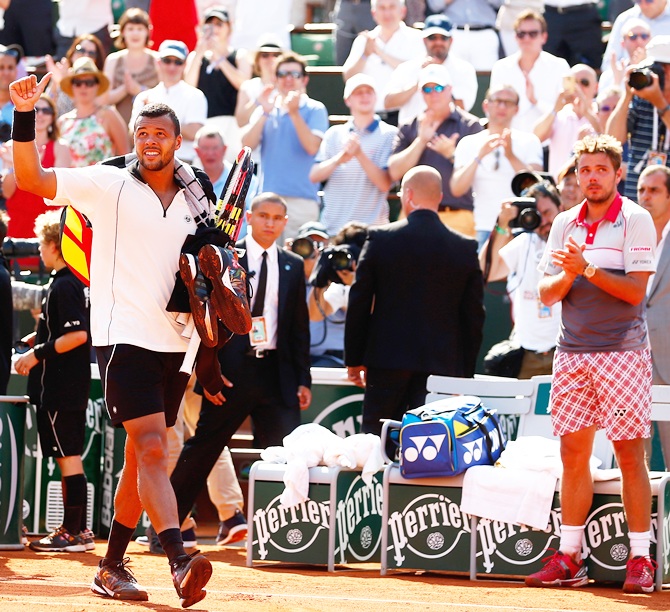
{"points": [[446, 437]]}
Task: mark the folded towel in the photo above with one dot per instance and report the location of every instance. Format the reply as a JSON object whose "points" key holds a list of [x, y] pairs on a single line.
{"points": [[511, 495], [520, 490], [537, 454]]}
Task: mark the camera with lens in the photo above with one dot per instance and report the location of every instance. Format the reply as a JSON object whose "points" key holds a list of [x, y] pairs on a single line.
{"points": [[334, 259], [305, 247], [15, 248], [640, 78], [528, 219]]}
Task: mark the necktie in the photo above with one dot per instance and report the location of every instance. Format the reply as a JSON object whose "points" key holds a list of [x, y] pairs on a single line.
{"points": [[259, 303]]}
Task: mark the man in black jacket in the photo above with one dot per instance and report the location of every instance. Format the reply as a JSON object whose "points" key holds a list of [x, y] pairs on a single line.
{"points": [[416, 307], [267, 372]]}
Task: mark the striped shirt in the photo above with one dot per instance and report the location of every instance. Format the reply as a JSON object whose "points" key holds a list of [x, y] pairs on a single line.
{"points": [[349, 194], [641, 129]]}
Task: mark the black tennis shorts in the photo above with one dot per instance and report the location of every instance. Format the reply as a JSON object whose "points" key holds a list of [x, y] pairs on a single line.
{"points": [[137, 382], [61, 432]]}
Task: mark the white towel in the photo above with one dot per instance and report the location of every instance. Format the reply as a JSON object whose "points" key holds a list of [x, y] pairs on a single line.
{"points": [[360, 451], [511, 495], [520, 490], [537, 454], [310, 445]]}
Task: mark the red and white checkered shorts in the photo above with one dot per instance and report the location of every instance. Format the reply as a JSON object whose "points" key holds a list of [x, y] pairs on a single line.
{"points": [[611, 390]]}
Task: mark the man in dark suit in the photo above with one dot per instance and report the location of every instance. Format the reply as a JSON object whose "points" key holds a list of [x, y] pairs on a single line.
{"points": [[267, 372], [416, 307]]}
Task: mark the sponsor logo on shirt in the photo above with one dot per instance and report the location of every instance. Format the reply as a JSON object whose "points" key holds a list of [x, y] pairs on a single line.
{"points": [[640, 249]]}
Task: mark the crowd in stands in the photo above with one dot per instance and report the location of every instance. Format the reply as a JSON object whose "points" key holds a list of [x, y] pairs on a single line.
{"points": [[413, 70]]}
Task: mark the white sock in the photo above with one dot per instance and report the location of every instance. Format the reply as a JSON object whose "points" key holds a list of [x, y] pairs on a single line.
{"points": [[571, 540], [639, 543]]}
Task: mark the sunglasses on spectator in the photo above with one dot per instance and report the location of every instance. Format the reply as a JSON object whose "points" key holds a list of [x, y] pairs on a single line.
{"points": [[606, 108], [642, 36], [44, 110], [506, 103], [584, 82], [437, 37], [172, 60], [432, 88], [265, 54], [530, 33], [296, 74], [83, 51], [84, 82], [645, 1]]}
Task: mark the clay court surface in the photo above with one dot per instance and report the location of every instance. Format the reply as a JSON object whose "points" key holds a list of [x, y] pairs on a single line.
{"points": [[60, 582]]}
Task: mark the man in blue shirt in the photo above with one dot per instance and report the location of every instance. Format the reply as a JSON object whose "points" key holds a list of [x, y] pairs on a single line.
{"points": [[289, 126]]}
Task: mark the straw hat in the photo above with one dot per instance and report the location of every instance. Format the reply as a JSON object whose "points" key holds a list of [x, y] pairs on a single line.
{"points": [[84, 67]]}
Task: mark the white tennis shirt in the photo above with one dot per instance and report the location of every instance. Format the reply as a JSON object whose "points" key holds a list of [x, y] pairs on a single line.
{"points": [[134, 258]]}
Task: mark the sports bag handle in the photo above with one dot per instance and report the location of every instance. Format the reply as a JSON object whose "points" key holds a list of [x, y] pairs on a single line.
{"points": [[487, 434]]}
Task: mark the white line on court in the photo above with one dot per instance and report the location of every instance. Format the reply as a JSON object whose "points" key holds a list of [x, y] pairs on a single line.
{"points": [[443, 605]]}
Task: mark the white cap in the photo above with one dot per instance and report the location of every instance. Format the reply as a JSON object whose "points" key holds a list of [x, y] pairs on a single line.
{"points": [[434, 73], [357, 81], [658, 49]]}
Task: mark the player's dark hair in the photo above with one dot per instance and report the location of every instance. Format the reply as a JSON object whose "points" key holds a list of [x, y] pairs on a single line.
{"points": [[158, 109]]}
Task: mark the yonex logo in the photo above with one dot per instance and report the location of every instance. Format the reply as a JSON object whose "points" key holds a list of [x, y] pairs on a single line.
{"points": [[473, 451], [428, 451]]}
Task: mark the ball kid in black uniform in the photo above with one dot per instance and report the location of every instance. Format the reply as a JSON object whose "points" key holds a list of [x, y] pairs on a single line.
{"points": [[59, 378]]}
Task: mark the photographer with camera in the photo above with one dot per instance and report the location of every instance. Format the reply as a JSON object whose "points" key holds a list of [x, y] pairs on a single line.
{"points": [[328, 298], [311, 240], [513, 251], [642, 116]]}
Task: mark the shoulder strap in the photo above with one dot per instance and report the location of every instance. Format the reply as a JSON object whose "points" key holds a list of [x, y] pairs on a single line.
{"points": [[205, 183]]}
